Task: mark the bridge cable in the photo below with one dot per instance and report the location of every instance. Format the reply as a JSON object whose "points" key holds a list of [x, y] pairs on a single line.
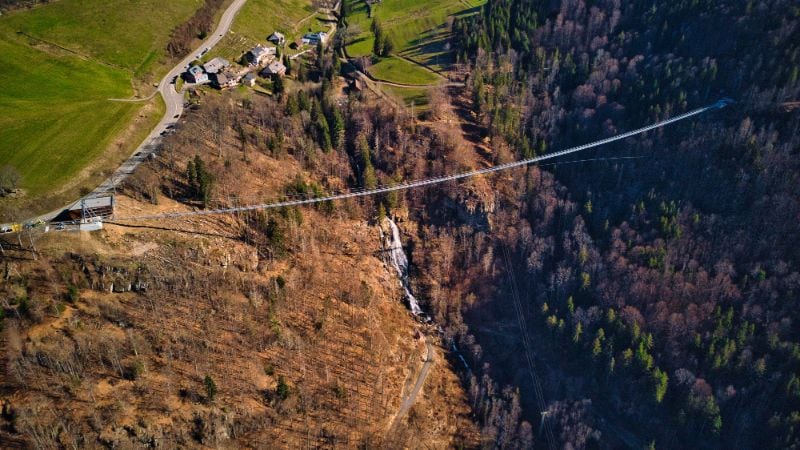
{"points": [[431, 181]]}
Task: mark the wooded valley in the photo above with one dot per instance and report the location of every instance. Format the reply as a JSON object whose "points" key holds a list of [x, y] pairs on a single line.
{"points": [[597, 302]]}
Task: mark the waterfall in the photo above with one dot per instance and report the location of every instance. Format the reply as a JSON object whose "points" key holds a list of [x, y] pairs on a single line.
{"points": [[398, 260]]}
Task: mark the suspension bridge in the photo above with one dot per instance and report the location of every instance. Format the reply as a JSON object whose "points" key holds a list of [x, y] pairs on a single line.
{"points": [[435, 180], [417, 183]]}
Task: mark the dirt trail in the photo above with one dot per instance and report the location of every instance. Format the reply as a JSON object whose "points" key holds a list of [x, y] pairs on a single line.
{"points": [[408, 402]]}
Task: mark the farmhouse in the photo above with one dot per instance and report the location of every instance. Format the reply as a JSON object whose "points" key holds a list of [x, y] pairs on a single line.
{"points": [[277, 38], [196, 75], [260, 54], [276, 68], [249, 80], [315, 38], [216, 65]]}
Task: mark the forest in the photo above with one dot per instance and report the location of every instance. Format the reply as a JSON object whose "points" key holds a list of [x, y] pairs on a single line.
{"points": [[197, 27], [660, 290]]}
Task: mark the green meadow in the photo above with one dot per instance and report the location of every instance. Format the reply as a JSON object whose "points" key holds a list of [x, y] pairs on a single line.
{"points": [[399, 70], [418, 28], [54, 114], [413, 97], [123, 33], [59, 65]]}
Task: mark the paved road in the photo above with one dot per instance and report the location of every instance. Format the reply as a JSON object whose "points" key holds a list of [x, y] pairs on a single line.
{"points": [[408, 402], [174, 109], [173, 101]]}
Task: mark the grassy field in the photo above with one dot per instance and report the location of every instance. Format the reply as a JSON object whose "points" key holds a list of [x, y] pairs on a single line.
{"points": [[419, 30], [61, 63], [54, 114], [398, 70], [416, 97], [124, 33]]}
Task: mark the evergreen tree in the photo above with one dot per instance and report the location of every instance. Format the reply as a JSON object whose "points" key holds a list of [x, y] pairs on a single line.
{"points": [[337, 129], [204, 181], [320, 57], [211, 388], [292, 108], [388, 46], [380, 39], [282, 389], [277, 86], [368, 177], [323, 133]]}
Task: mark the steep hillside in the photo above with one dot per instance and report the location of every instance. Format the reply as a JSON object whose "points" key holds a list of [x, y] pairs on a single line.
{"points": [[658, 291], [595, 303], [275, 329]]}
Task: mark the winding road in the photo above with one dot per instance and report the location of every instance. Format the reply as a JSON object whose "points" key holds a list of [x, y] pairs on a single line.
{"points": [[174, 109], [173, 101]]}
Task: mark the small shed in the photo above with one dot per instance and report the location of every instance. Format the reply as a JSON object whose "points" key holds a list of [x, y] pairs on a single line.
{"points": [[355, 84], [249, 80]]}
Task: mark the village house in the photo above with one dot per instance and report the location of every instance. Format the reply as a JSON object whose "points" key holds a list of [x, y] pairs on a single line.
{"points": [[260, 54], [216, 65], [315, 38], [227, 79], [277, 38], [275, 68], [249, 80], [196, 75]]}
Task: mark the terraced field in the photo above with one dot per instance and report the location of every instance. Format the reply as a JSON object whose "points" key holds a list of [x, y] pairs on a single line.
{"points": [[414, 98], [399, 70]]}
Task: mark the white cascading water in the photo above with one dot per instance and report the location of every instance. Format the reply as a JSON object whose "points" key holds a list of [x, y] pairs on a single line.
{"points": [[398, 259]]}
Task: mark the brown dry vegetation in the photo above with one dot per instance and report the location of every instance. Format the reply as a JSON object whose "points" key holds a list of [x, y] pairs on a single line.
{"points": [[109, 337]]}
